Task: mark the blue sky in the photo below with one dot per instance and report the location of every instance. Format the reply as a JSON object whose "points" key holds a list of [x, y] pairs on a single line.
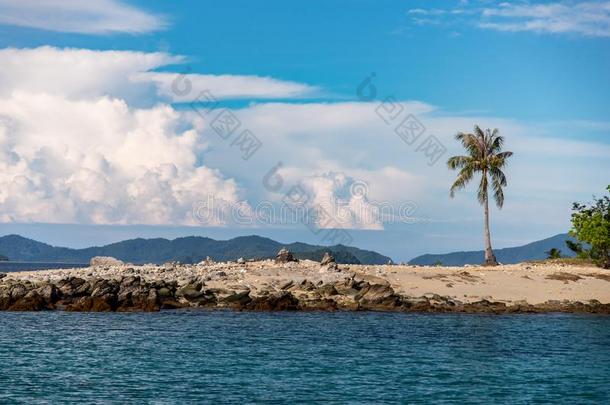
{"points": [[537, 70]]}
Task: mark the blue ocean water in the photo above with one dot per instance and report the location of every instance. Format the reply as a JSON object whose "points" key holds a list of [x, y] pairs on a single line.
{"points": [[7, 267], [217, 356]]}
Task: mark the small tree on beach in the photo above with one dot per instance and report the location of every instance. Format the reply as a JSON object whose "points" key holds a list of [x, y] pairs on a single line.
{"points": [[591, 225], [485, 156], [554, 253]]}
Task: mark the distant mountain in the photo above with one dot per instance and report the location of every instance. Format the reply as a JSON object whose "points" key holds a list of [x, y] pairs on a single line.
{"points": [[191, 249], [532, 251]]}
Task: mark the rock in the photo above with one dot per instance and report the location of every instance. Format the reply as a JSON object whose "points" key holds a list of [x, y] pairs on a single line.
{"points": [[237, 298], [327, 259], [241, 261], [283, 301], [18, 291], [32, 301], [104, 288], [326, 304], [104, 261], [5, 298], [2, 275], [165, 293], [91, 304], [190, 292], [284, 256], [136, 295], [307, 285], [50, 293], [207, 262], [170, 265], [327, 290]]}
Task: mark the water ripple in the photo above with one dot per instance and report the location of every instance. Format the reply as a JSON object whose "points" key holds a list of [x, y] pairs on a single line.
{"points": [[200, 356]]}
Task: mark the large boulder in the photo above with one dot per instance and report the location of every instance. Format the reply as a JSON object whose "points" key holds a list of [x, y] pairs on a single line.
{"points": [[284, 256], [104, 261], [32, 301]]}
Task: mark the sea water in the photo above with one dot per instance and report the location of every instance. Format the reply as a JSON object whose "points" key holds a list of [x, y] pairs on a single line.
{"points": [[8, 267], [355, 357]]}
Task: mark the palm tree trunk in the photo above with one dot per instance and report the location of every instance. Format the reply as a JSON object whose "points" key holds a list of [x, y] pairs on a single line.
{"points": [[490, 258]]}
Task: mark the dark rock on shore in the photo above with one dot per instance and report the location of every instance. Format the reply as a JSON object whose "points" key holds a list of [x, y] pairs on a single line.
{"points": [[284, 256], [133, 293]]}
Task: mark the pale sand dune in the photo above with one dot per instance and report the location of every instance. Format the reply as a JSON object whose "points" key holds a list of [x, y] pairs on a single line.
{"points": [[507, 283]]}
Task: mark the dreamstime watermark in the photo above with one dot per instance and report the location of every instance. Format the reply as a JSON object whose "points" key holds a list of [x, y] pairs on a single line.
{"points": [[407, 127], [215, 211], [313, 216], [296, 207], [225, 123], [329, 220]]}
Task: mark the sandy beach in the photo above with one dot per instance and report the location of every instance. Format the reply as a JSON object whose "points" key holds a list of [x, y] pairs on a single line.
{"points": [[308, 285]]}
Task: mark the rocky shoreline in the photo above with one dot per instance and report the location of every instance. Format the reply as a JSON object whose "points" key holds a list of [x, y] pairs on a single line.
{"points": [[109, 286]]}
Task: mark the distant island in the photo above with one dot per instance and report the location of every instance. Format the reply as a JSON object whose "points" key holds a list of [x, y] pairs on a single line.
{"points": [[3, 258], [194, 249], [537, 250], [187, 250]]}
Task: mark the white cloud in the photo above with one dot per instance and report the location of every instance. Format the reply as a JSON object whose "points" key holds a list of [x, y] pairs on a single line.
{"points": [[585, 18], [77, 144], [188, 87], [128, 75], [322, 143], [87, 17], [85, 137], [79, 73], [100, 161], [590, 18], [74, 149]]}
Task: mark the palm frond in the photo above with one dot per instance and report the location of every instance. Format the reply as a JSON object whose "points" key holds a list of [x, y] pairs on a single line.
{"points": [[498, 192], [497, 142], [498, 161], [463, 178], [457, 162], [469, 142], [498, 175], [482, 192], [479, 132]]}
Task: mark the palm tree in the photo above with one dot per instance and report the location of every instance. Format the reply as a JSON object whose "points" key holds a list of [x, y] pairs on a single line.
{"points": [[484, 155], [554, 253]]}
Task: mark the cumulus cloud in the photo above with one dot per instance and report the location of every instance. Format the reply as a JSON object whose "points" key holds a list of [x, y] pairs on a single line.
{"points": [[73, 148], [86, 17], [100, 161], [326, 149]]}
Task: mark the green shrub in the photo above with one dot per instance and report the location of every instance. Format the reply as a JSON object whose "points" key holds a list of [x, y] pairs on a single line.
{"points": [[591, 225]]}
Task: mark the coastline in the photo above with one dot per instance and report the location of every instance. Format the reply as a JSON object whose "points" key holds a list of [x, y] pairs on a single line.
{"points": [[310, 286]]}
